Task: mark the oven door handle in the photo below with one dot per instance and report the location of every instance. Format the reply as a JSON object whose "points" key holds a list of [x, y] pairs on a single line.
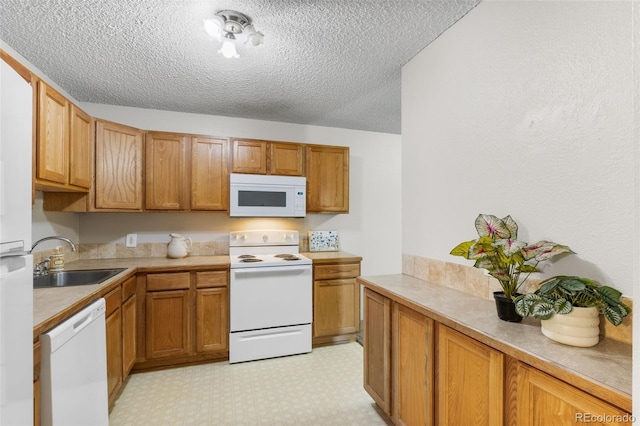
{"points": [[268, 269]]}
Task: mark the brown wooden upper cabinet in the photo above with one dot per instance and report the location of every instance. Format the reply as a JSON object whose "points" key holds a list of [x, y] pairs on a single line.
{"points": [[64, 143], [186, 172], [165, 171], [267, 157], [327, 170], [119, 151], [209, 173]]}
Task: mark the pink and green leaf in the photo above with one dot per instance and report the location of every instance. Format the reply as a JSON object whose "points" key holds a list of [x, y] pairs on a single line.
{"points": [[489, 225]]}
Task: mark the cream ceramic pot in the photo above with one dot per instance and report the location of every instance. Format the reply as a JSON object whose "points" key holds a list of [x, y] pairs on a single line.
{"points": [[178, 246]]}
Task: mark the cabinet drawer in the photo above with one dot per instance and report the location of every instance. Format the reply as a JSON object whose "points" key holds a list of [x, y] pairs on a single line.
{"points": [[211, 279], [128, 288], [172, 281], [113, 299], [347, 270]]}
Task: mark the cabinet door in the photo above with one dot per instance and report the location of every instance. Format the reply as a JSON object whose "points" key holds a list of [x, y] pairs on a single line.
{"points": [[327, 172], [544, 400], [128, 335], [212, 319], [119, 151], [114, 352], [286, 159], [52, 147], [81, 148], [413, 349], [336, 307], [167, 324], [377, 348], [470, 381], [249, 156], [209, 174], [165, 177], [113, 313]]}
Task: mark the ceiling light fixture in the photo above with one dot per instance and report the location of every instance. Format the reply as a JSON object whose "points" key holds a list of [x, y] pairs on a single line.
{"points": [[231, 27]]}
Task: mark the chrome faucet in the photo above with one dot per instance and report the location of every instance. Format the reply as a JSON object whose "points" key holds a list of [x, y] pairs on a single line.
{"points": [[55, 237]]}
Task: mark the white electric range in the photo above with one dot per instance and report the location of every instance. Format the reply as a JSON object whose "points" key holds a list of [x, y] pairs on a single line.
{"points": [[271, 303]]}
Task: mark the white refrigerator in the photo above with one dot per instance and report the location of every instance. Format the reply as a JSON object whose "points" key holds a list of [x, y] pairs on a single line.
{"points": [[16, 285]]}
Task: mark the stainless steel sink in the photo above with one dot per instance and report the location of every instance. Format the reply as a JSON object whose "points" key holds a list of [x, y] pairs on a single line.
{"points": [[74, 278]]}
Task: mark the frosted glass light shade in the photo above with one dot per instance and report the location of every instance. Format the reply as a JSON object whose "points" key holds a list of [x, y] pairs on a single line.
{"points": [[228, 49]]}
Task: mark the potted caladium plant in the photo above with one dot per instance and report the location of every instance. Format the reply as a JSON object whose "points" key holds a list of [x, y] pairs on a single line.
{"points": [[569, 308], [507, 259]]}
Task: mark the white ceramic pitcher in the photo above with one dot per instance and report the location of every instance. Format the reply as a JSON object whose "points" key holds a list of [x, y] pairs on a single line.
{"points": [[178, 246]]}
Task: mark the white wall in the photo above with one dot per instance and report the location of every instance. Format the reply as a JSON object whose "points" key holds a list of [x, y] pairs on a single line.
{"points": [[371, 229], [527, 108]]}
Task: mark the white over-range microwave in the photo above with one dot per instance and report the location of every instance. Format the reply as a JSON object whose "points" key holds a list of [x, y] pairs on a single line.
{"points": [[267, 196]]}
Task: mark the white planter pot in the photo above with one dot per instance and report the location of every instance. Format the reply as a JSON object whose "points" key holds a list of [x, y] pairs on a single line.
{"points": [[580, 327]]}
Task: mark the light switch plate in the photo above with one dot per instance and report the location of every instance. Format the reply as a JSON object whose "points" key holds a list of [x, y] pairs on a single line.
{"points": [[132, 240]]}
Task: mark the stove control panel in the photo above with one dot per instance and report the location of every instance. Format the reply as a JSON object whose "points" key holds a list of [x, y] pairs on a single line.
{"points": [[263, 237]]}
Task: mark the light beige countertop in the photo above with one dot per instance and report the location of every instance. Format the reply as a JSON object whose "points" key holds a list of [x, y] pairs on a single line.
{"points": [[603, 370], [53, 305], [319, 257]]}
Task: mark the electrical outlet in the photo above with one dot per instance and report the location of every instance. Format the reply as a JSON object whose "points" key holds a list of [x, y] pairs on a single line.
{"points": [[132, 240]]}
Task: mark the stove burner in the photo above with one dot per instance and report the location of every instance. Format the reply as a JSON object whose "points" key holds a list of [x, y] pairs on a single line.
{"points": [[287, 256], [250, 259], [246, 256]]}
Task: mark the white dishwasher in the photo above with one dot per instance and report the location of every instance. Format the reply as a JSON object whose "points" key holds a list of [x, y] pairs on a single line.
{"points": [[74, 370]]}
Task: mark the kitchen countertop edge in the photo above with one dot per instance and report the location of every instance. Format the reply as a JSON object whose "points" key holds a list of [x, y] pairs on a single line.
{"points": [[51, 306], [587, 368]]}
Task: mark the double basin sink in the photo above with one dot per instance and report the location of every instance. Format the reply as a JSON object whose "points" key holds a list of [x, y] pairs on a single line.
{"points": [[75, 278]]}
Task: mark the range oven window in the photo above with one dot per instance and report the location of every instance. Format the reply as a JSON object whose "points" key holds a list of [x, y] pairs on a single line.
{"points": [[262, 198]]}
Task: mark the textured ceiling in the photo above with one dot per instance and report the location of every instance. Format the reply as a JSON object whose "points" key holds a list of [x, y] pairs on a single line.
{"points": [[333, 63]]}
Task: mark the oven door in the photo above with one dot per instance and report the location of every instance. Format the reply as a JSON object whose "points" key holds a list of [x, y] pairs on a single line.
{"points": [[270, 297]]}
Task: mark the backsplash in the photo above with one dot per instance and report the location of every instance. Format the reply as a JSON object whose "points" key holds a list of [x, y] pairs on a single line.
{"points": [[119, 250], [473, 281]]}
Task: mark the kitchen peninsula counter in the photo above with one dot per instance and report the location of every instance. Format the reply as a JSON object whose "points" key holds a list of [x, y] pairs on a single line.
{"points": [[52, 305], [603, 370]]}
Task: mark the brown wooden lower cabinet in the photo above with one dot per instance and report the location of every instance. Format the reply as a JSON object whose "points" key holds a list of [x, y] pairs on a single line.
{"points": [[168, 323], [184, 318], [212, 332], [544, 400], [129, 318], [412, 367], [470, 381], [421, 372], [377, 348], [113, 321], [336, 302]]}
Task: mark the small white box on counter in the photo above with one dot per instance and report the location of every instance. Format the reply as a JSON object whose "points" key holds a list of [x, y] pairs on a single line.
{"points": [[323, 241]]}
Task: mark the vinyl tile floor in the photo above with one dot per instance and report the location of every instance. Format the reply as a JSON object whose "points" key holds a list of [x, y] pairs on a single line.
{"points": [[323, 387]]}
